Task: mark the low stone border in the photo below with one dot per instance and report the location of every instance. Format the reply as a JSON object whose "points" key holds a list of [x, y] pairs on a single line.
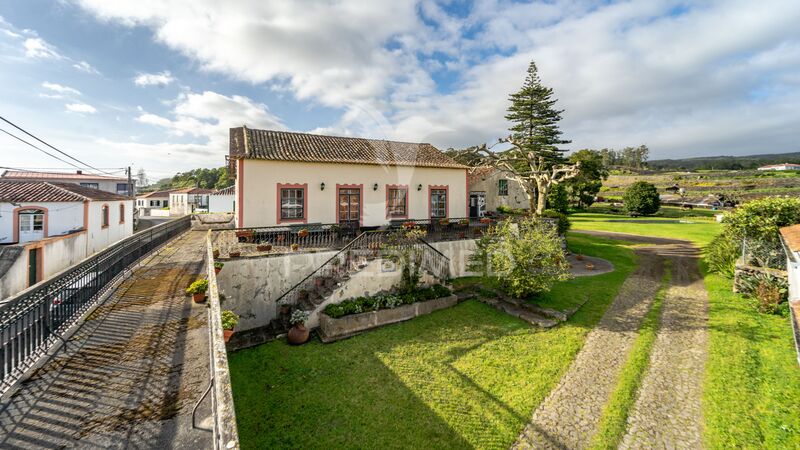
{"points": [[331, 329]]}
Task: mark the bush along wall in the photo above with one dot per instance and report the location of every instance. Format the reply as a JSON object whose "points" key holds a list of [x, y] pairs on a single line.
{"points": [[385, 301]]}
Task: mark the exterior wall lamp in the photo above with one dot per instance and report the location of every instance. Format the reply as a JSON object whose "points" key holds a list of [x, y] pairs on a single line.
{"points": [[419, 187], [322, 186], [375, 187]]}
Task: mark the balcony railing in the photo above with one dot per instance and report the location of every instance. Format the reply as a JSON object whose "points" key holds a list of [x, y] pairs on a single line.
{"points": [[36, 318]]}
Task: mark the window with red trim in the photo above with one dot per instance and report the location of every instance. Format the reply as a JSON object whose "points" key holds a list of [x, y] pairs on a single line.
{"points": [[438, 203], [292, 203], [121, 213], [105, 216], [397, 202]]}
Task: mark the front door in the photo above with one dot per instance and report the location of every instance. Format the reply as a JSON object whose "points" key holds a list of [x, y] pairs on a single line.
{"points": [[33, 256], [31, 225], [350, 205], [477, 204]]}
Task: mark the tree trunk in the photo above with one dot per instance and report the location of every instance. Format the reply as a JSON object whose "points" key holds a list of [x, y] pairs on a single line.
{"points": [[541, 204]]}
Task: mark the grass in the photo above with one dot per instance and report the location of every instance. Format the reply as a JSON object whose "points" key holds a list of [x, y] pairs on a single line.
{"points": [[670, 212], [612, 425], [468, 376], [751, 395], [701, 232]]}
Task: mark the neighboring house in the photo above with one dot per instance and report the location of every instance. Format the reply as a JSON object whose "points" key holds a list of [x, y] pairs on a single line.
{"points": [[156, 199], [223, 200], [117, 185], [46, 227], [784, 166], [188, 200], [291, 178], [490, 188]]}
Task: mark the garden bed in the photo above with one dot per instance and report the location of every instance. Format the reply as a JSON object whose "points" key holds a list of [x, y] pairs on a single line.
{"points": [[331, 329]]}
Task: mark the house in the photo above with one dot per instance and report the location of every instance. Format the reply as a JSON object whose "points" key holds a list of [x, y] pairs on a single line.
{"points": [[188, 200], [292, 178], [117, 185], [222, 200], [784, 166], [490, 188], [156, 199], [46, 227]]}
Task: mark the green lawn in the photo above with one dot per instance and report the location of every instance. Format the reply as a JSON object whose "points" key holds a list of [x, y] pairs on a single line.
{"points": [[468, 376], [698, 230]]}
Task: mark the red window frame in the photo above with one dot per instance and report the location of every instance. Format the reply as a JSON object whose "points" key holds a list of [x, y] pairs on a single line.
{"points": [[282, 186], [360, 188], [403, 187], [446, 190]]}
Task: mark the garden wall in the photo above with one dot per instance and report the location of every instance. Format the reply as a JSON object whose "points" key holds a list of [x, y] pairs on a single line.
{"points": [[459, 253]]}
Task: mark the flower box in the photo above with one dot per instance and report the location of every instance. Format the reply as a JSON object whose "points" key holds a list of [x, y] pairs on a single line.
{"points": [[331, 329]]}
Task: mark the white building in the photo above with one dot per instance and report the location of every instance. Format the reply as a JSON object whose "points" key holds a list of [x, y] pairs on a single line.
{"points": [[223, 200], [188, 200], [116, 185], [55, 225], [284, 178], [784, 166], [156, 199], [490, 188]]}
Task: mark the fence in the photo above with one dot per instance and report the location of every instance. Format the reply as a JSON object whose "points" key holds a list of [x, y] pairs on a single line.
{"points": [[32, 321], [226, 435], [767, 253]]}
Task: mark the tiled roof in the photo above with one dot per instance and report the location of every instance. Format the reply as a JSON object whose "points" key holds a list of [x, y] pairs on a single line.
{"points": [[478, 174], [41, 191], [156, 194], [192, 190], [287, 146], [230, 190], [27, 175], [791, 236]]}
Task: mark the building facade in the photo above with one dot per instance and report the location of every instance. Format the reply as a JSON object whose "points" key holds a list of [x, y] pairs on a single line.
{"points": [[490, 188], [188, 200], [293, 178], [223, 200], [116, 185]]}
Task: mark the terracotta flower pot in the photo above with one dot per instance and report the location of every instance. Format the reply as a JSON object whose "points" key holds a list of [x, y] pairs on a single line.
{"points": [[216, 254], [264, 248], [295, 247], [217, 270], [302, 233], [227, 334], [199, 297], [298, 334], [589, 266], [235, 254], [579, 257]]}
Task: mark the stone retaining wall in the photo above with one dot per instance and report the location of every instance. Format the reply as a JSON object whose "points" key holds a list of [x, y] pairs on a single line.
{"points": [[331, 329], [743, 270]]}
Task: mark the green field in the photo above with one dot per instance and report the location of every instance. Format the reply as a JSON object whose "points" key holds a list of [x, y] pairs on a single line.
{"points": [[699, 230]]}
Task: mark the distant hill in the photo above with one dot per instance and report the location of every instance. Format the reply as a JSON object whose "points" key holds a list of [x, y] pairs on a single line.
{"points": [[724, 162]]}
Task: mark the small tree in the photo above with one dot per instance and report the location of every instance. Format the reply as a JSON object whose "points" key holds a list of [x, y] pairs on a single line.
{"points": [[584, 187], [526, 257], [642, 198], [402, 248]]}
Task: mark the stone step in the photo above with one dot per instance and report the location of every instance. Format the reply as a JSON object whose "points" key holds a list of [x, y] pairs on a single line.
{"points": [[521, 312]]}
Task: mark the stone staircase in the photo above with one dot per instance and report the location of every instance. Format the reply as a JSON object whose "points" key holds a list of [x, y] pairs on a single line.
{"points": [[535, 315]]}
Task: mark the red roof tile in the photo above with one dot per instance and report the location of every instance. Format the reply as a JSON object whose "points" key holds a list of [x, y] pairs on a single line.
{"points": [[41, 191], [47, 176]]}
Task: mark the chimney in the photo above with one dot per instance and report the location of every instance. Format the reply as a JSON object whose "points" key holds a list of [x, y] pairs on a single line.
{"points": [[79, 172]]}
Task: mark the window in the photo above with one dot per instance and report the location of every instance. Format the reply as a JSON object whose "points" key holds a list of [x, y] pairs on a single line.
{"points": [[122, 188], [293, 204], [502, 187], [397, 202], [91, 185], [105, 216], [438, 203], [31, 220], [121, 213]]}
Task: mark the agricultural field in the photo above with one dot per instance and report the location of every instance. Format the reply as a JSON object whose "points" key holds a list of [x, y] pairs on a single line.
{"points": [[744, 184]]}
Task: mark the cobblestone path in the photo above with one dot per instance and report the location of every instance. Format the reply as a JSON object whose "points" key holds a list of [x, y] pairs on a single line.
{"points": [[569, 416], [667, 413], [131, 373]]}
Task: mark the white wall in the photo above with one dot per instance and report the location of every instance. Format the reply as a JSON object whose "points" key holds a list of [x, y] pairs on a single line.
{"points": [[262, 177], [62, 217], [516, 197], [221, 203], [16, 277], [99, 237]]}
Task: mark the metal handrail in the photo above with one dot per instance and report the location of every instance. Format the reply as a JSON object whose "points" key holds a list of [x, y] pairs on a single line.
{"points": [[34, 319], [226, 435]]}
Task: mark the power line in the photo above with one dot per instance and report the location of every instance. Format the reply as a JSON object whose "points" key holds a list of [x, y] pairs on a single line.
{"points": [[37, 148], [45, 143]]}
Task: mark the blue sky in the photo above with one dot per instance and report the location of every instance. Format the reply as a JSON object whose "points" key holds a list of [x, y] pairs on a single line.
{"points": [[156, 84]]}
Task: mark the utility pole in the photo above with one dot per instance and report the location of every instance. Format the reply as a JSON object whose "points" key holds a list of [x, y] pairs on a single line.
{"points": [[130, 182]]}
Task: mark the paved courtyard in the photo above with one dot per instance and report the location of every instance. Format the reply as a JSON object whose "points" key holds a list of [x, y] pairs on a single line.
{"points": [[131, 373]]}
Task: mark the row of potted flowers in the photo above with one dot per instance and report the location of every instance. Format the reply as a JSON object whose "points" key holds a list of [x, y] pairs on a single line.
{"points": [[198, 290]]}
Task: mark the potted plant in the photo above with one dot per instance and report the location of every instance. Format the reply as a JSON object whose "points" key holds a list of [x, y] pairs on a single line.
{"points": [[463, 222], [302, 233], [235, 254], [409, 225], [198, 290], [486, 220], [218, 267], [298, 334], [444, 222], [229, 321], [295, 247], [216, 253], [579, 257], [264, 247], [244, 235], [589, 266]]}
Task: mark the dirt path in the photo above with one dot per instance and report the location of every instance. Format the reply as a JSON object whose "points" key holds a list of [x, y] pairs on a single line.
{"points": [[132, 371], [569, 416]]}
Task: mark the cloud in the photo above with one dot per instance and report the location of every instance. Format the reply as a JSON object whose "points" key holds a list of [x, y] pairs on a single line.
{"points": [[55, 87], [80, 108], [154, 79], [84, 66], [37, 48]]}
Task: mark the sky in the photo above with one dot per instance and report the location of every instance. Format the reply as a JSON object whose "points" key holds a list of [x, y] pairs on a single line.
{"points": [[157, 84]]}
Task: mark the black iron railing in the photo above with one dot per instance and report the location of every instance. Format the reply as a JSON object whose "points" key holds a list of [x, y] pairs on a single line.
{"points": [[31, 321], [282, 239], [449, 229]]}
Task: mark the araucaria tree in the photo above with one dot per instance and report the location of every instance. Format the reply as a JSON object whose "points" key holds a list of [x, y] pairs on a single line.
{"points": [[534, 160]]}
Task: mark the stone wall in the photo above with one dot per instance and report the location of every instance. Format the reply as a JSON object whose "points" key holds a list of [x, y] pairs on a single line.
{"points": [[743, 270]]}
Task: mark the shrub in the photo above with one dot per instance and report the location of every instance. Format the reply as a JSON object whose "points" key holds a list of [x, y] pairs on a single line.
{"points": [[558, 198], [563, 223], [385, 301], [770, 292], [219, 265], [197, 287], [721, 255], [526, 258], [229, 320], [642, 198]]}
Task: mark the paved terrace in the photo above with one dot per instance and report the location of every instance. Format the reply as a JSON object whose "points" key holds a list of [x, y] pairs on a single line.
{"points": [[131, 373]]}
